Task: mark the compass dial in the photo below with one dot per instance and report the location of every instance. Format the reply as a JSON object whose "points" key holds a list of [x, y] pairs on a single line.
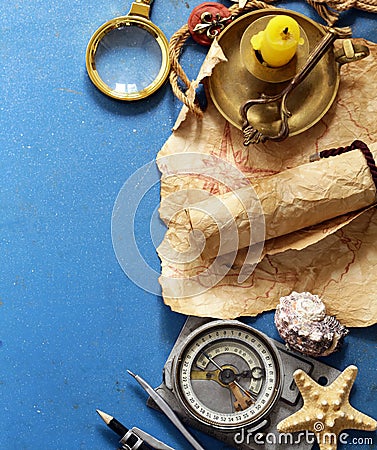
{"points": [[228, 375]]}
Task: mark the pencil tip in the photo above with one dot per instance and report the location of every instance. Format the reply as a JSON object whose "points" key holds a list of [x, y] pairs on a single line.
{"points": [[105, 417], [131, 373]]}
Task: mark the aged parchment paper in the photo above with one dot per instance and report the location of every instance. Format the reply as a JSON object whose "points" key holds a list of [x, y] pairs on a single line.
{"points": [[335, 259]]}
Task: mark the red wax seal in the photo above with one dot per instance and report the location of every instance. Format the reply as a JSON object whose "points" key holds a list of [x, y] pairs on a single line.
{"points": [[207, 21]]}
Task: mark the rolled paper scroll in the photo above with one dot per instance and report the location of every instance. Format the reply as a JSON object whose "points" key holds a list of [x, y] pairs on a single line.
{"points": [[291, 200]]}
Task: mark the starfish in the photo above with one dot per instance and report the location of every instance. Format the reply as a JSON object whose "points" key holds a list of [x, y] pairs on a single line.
{"points": [[326, 410]]}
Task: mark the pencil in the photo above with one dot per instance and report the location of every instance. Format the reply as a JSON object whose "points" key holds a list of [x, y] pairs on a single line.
{"points": [[112, 423], [134, 438]]}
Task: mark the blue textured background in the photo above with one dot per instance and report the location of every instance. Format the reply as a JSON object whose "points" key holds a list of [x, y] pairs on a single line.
{"points": [[71, 322]]}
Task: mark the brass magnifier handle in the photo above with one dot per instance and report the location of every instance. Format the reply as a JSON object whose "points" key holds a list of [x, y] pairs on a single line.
{"points": [[251, 134], [141, 8]]}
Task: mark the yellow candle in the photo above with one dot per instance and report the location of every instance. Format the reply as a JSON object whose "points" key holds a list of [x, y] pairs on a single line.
{"points": [[278, 42]]}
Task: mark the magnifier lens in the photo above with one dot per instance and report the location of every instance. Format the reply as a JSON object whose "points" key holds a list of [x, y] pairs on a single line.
{"points": [[128, 59]]}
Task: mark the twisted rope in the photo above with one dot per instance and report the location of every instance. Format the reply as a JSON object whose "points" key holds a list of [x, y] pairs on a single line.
{"points": [[177, 74], [328, 10], [356, 145]]}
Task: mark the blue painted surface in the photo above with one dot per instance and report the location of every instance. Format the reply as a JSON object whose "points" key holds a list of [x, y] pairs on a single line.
{"points": [[71, 322]]}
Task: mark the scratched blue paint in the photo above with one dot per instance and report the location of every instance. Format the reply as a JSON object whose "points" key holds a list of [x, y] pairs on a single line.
{"points": [[73, 322]]}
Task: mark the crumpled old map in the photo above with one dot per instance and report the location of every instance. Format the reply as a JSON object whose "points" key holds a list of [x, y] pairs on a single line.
{"points": [[335, 259]]}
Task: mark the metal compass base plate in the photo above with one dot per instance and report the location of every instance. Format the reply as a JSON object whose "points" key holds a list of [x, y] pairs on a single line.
{"points": [[263, 435]]}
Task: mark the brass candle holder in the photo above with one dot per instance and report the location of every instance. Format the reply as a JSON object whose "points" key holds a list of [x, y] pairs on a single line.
{"points": [[251, 134], [274, 103]]}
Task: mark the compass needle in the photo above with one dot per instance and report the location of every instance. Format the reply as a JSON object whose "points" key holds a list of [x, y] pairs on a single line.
{"points": [[243, 401], [212, 361], [203, 375]]}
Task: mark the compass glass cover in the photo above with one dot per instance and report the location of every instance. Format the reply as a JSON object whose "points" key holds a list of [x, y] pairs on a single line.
{"points": [[128, 59], [228, 376]]}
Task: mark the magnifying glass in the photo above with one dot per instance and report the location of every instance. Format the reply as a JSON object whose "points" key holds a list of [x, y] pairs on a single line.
{"points": [[127, 58]]}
